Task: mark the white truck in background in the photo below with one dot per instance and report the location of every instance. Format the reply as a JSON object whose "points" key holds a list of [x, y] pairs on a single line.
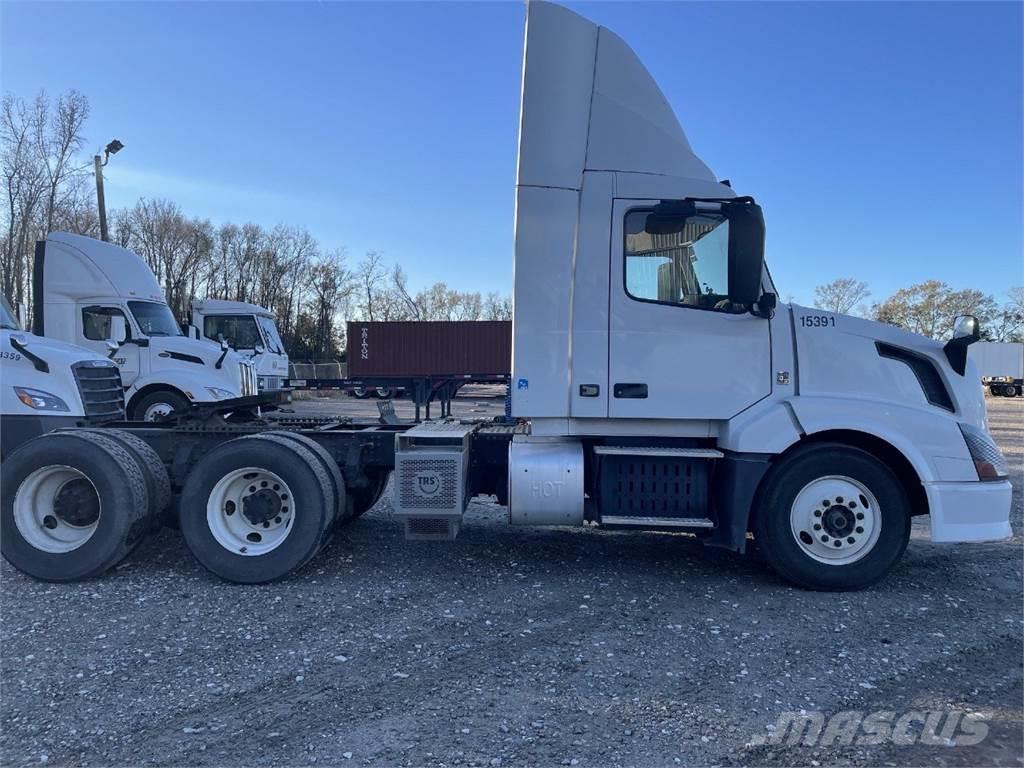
{"points": [[87, 291], [248, 329], [46, 384]]}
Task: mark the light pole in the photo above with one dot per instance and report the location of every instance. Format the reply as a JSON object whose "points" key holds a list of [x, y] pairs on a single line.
{"points": [[111, 149]]}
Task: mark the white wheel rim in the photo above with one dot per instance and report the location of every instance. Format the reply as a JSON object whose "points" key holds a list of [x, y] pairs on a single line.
{"points": [[157, 411], [384, 392], [44, 514], [250, 511], [835, 520], [358, 391]]}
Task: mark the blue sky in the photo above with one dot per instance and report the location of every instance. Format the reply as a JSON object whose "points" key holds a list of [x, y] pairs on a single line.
{"points": [[883, 139]]}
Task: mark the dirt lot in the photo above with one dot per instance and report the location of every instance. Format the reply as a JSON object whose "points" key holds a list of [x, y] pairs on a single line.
{"points": [[508, 647]]}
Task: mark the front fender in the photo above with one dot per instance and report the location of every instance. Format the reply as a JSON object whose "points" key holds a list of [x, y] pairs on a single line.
{"points": [[192, 385], [930, 440]]}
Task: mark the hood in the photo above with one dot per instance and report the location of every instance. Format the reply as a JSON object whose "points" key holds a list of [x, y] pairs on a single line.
{"points": [[845, 356], [57, 354], [197, 356]]}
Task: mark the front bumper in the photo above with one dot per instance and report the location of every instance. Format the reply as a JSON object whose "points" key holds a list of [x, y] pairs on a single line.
{"points": [[972, 511]]}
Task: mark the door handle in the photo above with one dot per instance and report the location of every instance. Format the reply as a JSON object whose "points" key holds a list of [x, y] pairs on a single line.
{"points": [[630, 391]]}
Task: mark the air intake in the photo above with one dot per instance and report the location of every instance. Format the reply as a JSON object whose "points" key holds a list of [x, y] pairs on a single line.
{"points": [[928, 377]]}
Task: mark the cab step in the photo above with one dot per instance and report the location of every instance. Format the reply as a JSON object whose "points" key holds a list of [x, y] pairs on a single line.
{"points": [[657, 522], [651, 450]]}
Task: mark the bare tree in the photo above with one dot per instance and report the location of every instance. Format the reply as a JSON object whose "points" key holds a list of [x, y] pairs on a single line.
{"points": [[372, 277], [1008, 322], [841, 295], [58, 140], [24, 187], [497, 307]]}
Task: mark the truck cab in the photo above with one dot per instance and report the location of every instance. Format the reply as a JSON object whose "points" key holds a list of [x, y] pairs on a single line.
{"points": [[86, 289], [248, 329], [47, 384], [657, 382]]}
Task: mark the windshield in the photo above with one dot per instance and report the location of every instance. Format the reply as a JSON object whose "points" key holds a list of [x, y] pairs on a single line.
{"points": [[274, 343], [8, 319], [239, 331], [154, 318]]}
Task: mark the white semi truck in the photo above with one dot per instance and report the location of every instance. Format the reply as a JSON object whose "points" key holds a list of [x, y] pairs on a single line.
{"points": [[656, 383], [83, 288], [47, 385], [248, 329]]}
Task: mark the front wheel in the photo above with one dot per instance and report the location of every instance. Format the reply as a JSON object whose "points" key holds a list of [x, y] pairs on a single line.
{"points": [[157, 406], [832, 517]]}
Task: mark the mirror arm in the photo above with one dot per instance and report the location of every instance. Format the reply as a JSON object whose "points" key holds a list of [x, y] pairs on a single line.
{"points": [[37, 362]]}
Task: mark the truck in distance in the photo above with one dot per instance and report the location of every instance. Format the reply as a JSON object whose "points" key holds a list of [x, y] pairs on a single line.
{"points": [[248, 329]]}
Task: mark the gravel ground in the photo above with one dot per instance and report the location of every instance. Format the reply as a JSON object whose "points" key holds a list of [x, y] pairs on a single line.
{"points": [[508, 647]]}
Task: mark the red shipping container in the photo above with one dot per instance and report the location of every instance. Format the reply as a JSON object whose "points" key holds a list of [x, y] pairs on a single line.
{"points": [[443, 348]]}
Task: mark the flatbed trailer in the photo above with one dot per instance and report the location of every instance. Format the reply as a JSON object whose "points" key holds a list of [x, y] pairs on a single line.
{"points": [[1006, 387], [421, 390]]}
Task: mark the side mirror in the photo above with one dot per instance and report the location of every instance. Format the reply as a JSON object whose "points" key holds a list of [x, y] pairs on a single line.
{"points": [[118, 330], [224, 346], [191, 331], [22, 315], [966, 331], [746, 249], [967, 327], [260, 349]]}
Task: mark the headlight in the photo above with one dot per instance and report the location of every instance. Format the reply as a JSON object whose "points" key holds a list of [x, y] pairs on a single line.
{"points": [[221, 394], [39, 400], [988, 459]]}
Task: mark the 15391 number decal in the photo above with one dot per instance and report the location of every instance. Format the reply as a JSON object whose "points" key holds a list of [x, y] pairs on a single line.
{"points": [[817, 321]]}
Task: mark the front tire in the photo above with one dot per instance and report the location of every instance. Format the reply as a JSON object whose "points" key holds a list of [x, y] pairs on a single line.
{"points": [[832, 517], [159, 405]]}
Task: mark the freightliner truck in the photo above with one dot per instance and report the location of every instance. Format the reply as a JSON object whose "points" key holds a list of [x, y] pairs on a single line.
{"points": [[657, 383], [47, 384], [84, 287]]}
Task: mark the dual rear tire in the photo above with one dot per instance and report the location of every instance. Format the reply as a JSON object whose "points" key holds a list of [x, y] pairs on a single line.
{"points": [[257, 508], [75, 504]]}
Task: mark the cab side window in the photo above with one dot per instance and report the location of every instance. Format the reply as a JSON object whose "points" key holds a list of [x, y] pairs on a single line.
{"points": [[688, 267], [96, 322]]}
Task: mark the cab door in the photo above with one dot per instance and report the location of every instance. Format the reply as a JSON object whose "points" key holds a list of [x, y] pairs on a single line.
{"points": [[94, 330], [677, 349]]}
